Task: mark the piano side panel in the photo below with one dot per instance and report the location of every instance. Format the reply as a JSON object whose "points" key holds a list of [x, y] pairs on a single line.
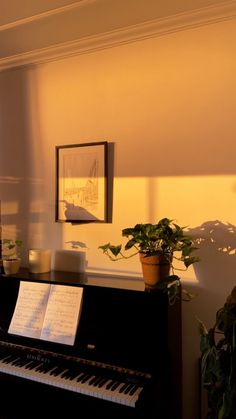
{"points": [[175, 384]]}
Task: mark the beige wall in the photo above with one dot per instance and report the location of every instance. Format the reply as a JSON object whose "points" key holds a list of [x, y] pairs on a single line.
{"points": [[168, 105]]}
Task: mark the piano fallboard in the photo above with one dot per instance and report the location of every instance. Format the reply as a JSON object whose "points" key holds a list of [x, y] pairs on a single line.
{"points": [[123, 359]]}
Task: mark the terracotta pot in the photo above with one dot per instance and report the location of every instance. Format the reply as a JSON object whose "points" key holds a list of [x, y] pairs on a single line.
{"points": [[154, 269], [11, 266]]}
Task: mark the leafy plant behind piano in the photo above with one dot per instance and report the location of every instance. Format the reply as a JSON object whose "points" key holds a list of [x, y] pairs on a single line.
{"points": [[218, 360]]}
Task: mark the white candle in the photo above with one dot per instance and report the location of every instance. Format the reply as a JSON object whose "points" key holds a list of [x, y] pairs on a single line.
{"points": [[39, 260]]}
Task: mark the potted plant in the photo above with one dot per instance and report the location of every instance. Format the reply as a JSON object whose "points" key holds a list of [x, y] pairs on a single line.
{"points": [[158, 246], [11, 259], [218, 361]]}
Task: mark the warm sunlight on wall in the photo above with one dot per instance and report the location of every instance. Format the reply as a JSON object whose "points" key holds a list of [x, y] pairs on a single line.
{"points": [[192, 201], [197, 199], [9, 207], [9, 210], [197, 202]]}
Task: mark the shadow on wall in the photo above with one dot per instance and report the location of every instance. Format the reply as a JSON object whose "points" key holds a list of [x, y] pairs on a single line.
{"points": [[15, 153], [216, 272]]}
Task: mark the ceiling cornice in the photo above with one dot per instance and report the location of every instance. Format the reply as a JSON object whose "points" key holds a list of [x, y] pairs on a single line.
{"points": [[43, 15], [149, 29]]}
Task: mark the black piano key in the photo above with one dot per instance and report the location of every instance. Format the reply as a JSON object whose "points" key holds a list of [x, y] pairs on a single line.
{"points": [[115, 385], [16, 361], [128, 388], [39, 368], [132, 391], [45, 368], [20, 363], [33, 365], [9, 358], [57, 371], [93, 379], [23, 363], [80, 378], [86, 377], [108, 386], [48, 368], [71, 375], [97, 381], [122, 389], [102, 382]]}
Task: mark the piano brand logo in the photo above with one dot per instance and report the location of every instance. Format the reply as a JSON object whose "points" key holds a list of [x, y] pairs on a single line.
{"points": [[38, 358]]}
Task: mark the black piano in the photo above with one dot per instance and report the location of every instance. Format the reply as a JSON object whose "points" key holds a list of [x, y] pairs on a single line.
{"points": [[125, 362]]}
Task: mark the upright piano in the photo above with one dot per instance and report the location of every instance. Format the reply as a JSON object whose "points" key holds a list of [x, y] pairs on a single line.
{"points": [[126, 361]]}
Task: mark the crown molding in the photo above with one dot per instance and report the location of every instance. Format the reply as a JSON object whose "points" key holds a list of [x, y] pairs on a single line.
{"points": [[146, 30], [43, 15]]}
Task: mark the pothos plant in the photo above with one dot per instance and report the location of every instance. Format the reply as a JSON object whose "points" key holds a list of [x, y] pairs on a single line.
{"points": [[10, 248], [166, 239]]}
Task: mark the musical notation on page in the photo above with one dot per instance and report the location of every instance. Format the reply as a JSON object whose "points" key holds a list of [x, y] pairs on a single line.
{"points": [[48, 312]]}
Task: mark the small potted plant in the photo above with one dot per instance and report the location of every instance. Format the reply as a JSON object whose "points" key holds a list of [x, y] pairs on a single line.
{"points": [[158, 246], [11, 259]]}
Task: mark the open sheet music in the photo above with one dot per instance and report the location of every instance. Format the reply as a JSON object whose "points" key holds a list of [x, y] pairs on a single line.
{"points": [[48, 312]]}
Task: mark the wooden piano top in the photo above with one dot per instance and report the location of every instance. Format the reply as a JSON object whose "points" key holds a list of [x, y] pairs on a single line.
{"points": [[81, 278]]}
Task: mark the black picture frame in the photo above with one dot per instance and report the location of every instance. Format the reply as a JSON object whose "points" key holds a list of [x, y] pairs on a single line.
{"points": [[82, 182]]}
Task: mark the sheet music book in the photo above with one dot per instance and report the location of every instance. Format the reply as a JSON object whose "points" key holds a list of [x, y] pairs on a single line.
{"points": [[48, 312]]}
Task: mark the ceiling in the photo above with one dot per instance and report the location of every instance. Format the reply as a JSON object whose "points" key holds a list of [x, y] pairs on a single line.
{"points": [[39, 30]]}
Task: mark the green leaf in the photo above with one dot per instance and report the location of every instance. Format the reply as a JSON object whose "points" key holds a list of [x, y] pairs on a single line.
{"points": [[105, 247], [186, 251], [130, 244], [18, 243], [190, 260], [127, 232], [115, 250]]}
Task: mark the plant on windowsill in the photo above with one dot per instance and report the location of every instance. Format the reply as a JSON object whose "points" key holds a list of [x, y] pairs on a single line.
{"points": [[218, 361], [158, 246], [11, 258]]}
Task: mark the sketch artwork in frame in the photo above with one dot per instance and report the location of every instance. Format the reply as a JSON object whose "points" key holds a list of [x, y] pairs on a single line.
{"points": [[81, 182]]}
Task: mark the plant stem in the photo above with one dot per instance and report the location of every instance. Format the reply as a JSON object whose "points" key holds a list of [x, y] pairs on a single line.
{"points": [[122, 256]]}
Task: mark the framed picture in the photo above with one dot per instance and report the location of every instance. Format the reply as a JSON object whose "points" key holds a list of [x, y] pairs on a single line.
{"points": [[81, 182]]}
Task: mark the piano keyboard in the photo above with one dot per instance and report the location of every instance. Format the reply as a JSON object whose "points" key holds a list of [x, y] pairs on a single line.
{"points": [[72, 378]]}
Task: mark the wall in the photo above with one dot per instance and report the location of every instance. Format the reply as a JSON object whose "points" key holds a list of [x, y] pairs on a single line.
{"points": [[168, 105]]}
